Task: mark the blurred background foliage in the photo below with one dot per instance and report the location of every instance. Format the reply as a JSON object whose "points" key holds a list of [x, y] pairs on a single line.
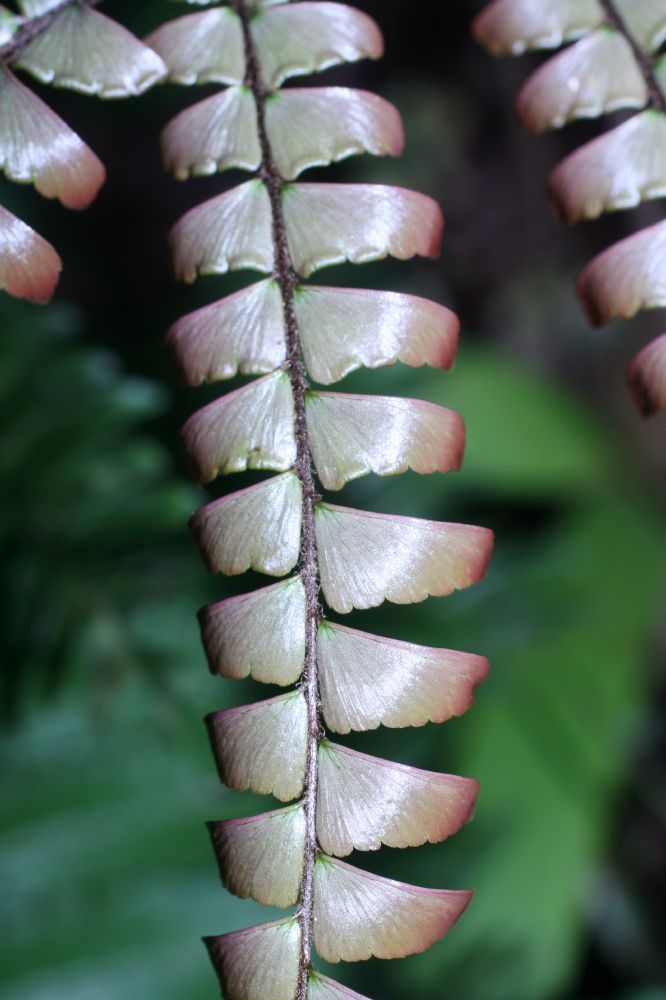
{"points": [[107, 881]]}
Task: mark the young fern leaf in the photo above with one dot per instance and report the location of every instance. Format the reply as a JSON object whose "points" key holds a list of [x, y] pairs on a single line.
{"points": [[614, 64], [292, 334], [69, 44]]}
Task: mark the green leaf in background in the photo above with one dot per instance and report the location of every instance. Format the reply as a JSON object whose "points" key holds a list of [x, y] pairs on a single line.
{"points": [[91, 526], [108, 881]]}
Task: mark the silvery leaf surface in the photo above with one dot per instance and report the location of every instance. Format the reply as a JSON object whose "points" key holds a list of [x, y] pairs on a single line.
{"points": [[333, 223], [206, 47], [228, 233], [250, 428], [627, 277], [618, 170], [86, 51], [511, 27], [352, 435], [364, 802], [360, 916], [594, 76], [343, 329], [367, 558], [368, 680], [241, 334], [262, 856], [262, 746], [307, 37], [258, 963], [37, 147], [259, 635], [256, 528]]}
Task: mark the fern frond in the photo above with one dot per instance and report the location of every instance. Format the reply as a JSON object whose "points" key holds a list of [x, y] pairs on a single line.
{"points": [[291, 335], [614, 64], [69, 44]]}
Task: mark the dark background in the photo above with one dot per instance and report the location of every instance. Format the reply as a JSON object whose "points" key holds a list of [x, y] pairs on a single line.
{"points": [[107, 881]]}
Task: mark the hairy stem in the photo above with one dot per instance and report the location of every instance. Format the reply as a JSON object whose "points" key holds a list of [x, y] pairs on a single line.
{"points": [[286, 279], [644, 59], [33, 27]]}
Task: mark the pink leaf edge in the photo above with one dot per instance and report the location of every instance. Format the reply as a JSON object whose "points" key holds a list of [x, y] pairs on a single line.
{"points": [[647, 377]]}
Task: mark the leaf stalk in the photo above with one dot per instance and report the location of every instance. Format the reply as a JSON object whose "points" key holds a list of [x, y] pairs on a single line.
{"points": [[286, 279]]}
